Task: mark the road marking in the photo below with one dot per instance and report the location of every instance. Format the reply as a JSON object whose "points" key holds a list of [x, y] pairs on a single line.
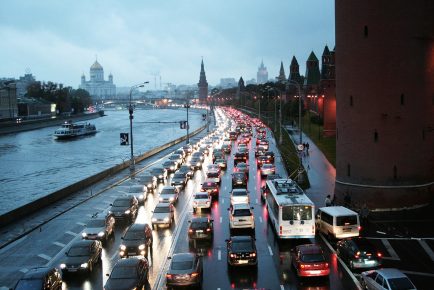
{"points": [[256, 201], [45, 257], [23, 270], [219, 255], [89, 215], [59, 244], [417, 273], [260, 219], [427, 249], [224, 188], [113, 256], [393, 255], [269, 249], [223, 201], [70, 233], [99, 209], [81, 224], [221, 219], [282, 287]]}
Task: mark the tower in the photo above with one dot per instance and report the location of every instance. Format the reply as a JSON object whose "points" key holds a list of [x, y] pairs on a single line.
{"points": [[327, 99], [202, 85], [281, 78], [294, 71], [96, 72], [83, 79], [385, 105], [262, 75]]}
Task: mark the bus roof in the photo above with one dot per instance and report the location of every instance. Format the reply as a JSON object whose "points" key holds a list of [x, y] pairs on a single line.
{"points": [[287, 192], [337, 211]]}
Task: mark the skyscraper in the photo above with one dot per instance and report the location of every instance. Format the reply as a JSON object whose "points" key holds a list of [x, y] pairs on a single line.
{"points": [[262, 75], [385, 103], [202, 85]]}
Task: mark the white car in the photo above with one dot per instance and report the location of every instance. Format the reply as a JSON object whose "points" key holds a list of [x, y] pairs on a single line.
{"points": [[239, 195], [163, 214], [201, 200], [241, 217], [169, 194]]}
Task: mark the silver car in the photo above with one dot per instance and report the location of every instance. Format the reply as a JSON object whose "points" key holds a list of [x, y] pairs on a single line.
{"points": [[387, 278], [169, 194], [163, 214]]}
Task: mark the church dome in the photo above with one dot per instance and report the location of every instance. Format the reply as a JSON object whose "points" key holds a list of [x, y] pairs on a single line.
{"points": [[96, 66]]}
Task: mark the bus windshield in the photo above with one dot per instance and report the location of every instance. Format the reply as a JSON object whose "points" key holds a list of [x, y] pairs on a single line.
{"points": [[297, 213]]}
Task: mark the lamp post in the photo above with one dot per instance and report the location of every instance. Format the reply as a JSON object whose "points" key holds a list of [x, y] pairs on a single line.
{"points": [[280, 120], [299, 108], [131, 111], [187, 105]]}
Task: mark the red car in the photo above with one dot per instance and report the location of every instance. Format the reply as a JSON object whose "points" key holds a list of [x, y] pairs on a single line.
{"points": [[309, 261]]}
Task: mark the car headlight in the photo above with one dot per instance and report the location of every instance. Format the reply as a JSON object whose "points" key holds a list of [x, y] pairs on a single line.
{"points": [[123, 247], [172, 167], [161, 199], [166, 219], [160, 176], [153, 219], [83, 235], [141, 247], [171, 199], [141, 197], [84, 265], [101, 234], [62, 266], [149, 184], [127, 211]]}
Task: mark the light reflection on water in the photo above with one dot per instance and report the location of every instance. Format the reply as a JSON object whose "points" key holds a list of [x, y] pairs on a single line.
{"points": [[34, 163]]}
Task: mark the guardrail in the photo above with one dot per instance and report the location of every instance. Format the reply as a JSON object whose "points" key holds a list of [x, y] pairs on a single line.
{"points": [[49, 199]]}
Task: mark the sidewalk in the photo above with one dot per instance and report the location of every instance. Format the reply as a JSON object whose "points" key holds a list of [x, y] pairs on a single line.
{"points": [[319, 170]]}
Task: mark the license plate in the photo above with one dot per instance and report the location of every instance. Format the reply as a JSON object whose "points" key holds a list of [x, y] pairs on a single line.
{"points": [[243, 261], [369, 262], [199, 231], [72, 270], [132, 253], [347, 229], [315, 272]]}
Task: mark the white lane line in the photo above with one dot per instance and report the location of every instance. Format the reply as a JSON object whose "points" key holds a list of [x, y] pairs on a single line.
{"points": [[99, 208], [59, 244], [81, 224], [113, 256], [224, 188], [271, 251], [417, 273], [223, 201], [393, 255], [260, 219], [427, 249], [23, 270], [89, 215], [256, 201], [70, 233], [45, 257], [219, 255], [282, 287], [221, 219]]}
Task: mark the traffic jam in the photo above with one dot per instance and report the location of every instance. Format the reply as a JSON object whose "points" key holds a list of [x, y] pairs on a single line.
{"points": [[217, 213]]}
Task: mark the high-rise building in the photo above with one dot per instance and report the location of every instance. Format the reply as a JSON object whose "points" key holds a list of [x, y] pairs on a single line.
{"points": [[202, 85], [97, 87], [262, 75], [385, 103]]}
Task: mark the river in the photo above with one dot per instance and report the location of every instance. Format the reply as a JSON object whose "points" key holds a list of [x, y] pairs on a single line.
{"points": [[34, 164]]}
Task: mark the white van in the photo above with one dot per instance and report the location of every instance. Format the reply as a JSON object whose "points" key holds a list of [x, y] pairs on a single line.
{"points": [[337, 222]]}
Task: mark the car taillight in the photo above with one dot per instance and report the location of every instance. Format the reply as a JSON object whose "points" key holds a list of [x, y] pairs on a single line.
{"points": [[326, 265], [208, 229], [379, 255], [357, 255], [194, 274], [302, 266], [190, 230], [168, 276], [253, 255], [232, 255], [359, 228]]}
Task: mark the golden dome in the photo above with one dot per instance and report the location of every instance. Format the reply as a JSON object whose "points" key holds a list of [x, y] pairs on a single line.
{"points": [[96, 66]]}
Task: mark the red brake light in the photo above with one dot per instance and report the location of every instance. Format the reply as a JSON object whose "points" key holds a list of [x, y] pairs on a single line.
{"points": [[232, 255], [302, 266], [190, 230], [359, 228], [379, 255], [168, 276], [194, 274], [208, 229]]}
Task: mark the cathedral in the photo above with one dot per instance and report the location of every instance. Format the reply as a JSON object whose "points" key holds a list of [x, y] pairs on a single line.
{"points": [[98, 88]]}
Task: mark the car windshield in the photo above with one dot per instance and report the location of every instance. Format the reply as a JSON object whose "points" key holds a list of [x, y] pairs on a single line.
{"points": [[209, 184], [182, 265], [311, 258], [213, 174], [162, 209], [179, 175], [121, 202], [135, 189], [267, 166], [297, 212], [238, 175], [346, 220], [242, 246], [96, 223], [242, 212], [199, 225], [167, 191], [124, 273], [201, 196], [402, 283], [146, 178], [27, 284], [239, 193], [134, 235], [78, 251]]}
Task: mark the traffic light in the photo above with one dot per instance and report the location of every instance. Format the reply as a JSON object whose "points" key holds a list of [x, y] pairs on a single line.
{"points": [[124, 139]]}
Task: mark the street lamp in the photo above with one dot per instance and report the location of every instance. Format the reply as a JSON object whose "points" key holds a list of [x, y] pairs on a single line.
{"points": [[131, 111], [299, 107]]}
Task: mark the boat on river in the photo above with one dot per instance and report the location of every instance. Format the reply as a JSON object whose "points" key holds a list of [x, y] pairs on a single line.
{"points": [[71, 130]]}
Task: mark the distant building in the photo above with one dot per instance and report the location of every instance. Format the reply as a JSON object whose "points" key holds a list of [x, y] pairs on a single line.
{"points": [[251, 82], [23, 83], [240, 89], [294, 72], [281, 78], [327, 100], [202, 85], [226, 83], [97, 87], [8, 99], [262, 75]]}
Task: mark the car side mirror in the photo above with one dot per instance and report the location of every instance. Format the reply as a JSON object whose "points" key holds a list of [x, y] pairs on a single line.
{"points": [[107, 275], [229, 208], [122, 238], [252, 207]]}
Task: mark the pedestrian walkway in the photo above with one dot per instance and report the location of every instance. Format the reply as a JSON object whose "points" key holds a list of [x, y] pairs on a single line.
{"points": [[320, 172]]}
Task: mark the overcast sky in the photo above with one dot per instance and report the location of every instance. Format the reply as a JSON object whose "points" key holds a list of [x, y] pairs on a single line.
{"points": [[135, 40]]}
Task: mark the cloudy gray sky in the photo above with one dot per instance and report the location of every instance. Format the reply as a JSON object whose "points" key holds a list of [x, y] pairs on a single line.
{"points": [[137, 39]]}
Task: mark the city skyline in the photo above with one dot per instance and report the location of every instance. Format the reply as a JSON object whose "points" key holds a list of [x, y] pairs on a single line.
{"points": [[137, 42]]}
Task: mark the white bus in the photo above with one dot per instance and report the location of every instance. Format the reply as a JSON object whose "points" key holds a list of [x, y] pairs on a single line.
{"points": [[290, 211]]}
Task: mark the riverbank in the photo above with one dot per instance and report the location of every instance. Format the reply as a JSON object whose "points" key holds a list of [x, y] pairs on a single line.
{"points": [[27, 125]]}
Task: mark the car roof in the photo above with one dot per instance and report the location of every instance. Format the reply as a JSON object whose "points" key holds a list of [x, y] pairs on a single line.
{"points": [[163, 204], [38, 272], [240, 189], [310, 249], [180, 257], [82, 243], [127, 262], [391, 273], [337, 211], [241, 238], [199, 220], [241, 206], [125, 197]]}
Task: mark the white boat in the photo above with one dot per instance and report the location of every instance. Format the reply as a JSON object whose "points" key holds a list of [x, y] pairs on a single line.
{"points": [[72, 130]]}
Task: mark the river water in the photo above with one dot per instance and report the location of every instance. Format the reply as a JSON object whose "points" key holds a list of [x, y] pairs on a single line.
{"points": [[34, 164]]}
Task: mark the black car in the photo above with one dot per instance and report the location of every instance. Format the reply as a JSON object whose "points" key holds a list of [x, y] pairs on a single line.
{"points": [[198, 154], [185, 270], [186, 169], [41, 278], [160, 173], [125, 208], [201, 228], [262, 160], [270, 155], [359, 253], [82, 256], [137, 241], [241, 251], [179, 179], [239, 157], [150, 181], [239, 179], [196, 163], [170, 165], [212, 187], [273, 176], [129, 274], [99, 228]]}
